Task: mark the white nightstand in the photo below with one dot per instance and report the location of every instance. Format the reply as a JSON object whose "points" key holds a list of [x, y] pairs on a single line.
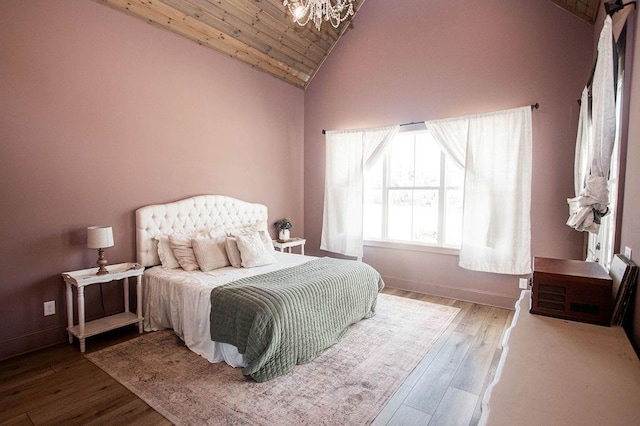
{"points": [[293, 242], [86, 277]]}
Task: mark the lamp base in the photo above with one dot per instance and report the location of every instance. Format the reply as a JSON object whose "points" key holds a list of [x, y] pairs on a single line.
{"points": [[102, 263]]}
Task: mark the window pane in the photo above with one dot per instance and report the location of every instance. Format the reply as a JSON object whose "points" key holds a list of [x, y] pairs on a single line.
{"points": [[372, 213], [401, 171], [400, 212], [427, 161], [453, 217], [372, 220], [425, 216]]}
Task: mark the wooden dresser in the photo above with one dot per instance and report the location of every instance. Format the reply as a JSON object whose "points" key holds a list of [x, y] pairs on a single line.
{"points": [[572, 289], [558, 372]]}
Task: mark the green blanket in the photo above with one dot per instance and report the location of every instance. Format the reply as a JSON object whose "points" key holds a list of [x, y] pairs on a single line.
{"points": [[290, 316]]}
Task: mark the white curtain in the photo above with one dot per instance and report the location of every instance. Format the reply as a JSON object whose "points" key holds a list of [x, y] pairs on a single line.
{"points": [[349, 154], [586, 209], [452, 136], [583, 141], [495, 149]]}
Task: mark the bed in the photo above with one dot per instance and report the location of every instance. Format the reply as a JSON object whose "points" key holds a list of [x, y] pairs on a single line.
{"points": [[252, 308]]}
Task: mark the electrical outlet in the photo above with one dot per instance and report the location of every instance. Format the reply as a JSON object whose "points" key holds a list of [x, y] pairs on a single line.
{"points": [[627, 252], [49, 308], [523, 284]]}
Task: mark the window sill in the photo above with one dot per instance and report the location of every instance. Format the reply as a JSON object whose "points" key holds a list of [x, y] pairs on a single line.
{"points": [[413, 247]]}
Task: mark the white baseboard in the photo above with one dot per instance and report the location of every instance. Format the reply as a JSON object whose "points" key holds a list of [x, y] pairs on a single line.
{"points": [[459, 293]]}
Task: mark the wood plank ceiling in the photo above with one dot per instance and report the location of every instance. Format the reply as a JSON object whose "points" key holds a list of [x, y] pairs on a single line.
{"points": [[262, 34]]}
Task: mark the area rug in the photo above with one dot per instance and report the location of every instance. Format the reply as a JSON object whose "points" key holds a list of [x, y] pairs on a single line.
{"points": [[348, 384]]}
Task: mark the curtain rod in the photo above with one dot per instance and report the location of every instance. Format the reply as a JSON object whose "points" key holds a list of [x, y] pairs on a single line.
{"points": [[533, 106]]}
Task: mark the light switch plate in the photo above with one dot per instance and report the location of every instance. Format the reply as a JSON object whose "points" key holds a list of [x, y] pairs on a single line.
{"points": [[627, 252]]}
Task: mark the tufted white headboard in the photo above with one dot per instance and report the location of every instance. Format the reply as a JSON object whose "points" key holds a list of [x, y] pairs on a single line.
{"points": [[190, 215]]}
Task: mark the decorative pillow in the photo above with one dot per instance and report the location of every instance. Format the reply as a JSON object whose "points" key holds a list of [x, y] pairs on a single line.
{"points": [[231, 245], [261, 228], [266, 240], [253, 251], [183, 251], [165, 253], [210, 253]]}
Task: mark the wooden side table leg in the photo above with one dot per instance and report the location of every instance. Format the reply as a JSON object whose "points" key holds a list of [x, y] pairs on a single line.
{"points": [[81, 317], [126, 294], [139, 301], [69, 311]]}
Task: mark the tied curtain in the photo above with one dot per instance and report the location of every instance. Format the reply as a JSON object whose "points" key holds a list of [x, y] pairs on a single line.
{"points": [[495, 151], [349, 154], [594, 141]]}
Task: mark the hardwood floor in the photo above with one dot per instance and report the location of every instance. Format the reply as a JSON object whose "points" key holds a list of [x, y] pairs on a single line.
{"points": [[447, 386], [58, 385]]}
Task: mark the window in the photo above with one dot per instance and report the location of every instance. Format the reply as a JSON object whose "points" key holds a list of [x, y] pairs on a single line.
{"points": [[414, 194]]}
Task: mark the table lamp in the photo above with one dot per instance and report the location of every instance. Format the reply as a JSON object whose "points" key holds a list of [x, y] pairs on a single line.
{"points": [[100, 237]]}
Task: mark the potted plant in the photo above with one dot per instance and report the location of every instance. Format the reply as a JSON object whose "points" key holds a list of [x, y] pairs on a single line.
{"points": [[284, 226]]}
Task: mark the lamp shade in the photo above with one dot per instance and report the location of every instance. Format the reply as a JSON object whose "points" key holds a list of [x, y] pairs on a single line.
{"points": [[99, 237]]}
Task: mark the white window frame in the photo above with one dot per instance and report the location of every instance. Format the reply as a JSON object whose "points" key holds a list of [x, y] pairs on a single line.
{"points": [[385, 242]]}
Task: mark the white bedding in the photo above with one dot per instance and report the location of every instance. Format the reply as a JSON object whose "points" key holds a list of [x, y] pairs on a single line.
{"points": [[180, 300]]}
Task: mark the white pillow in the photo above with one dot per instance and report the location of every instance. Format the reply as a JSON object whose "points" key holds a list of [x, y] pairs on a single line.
{"points": [[183, 251], [231, 245], [253, 251], [170, 257], [267, 241], [165, 253], [261, 228], [210, 253]]}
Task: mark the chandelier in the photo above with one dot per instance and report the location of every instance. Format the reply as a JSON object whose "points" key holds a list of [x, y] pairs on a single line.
{"points": [[304, 11]]}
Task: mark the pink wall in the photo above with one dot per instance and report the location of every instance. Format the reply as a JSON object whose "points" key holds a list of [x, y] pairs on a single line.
{"points": [[100, 114], [438, 59]]}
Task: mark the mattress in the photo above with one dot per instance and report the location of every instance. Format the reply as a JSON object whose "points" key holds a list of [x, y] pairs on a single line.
{"points": [[181, 300]]}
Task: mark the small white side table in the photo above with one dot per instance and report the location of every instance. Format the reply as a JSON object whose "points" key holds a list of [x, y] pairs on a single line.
{"points": [[82, 278], [293, 242]]}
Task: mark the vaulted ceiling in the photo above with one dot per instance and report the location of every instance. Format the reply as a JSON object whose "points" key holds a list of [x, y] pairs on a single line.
{"points": [[261, 33]]}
